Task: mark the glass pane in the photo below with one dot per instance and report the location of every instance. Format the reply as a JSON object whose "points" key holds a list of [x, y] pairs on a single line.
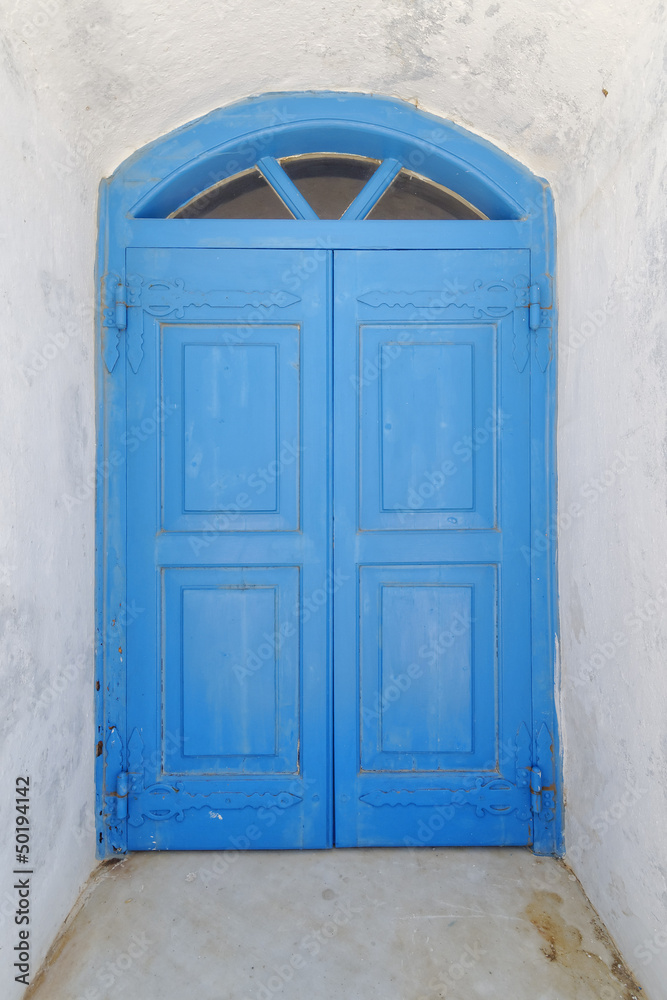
{"points": [[329, 181], [244, 196], [410, 196]]}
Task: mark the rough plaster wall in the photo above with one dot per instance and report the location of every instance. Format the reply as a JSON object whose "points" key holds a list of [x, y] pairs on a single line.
{"points": [[88, 82], [613, 466], [47, 229]]}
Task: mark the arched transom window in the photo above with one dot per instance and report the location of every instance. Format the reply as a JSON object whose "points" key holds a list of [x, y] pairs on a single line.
{"points": [[327, 186]]}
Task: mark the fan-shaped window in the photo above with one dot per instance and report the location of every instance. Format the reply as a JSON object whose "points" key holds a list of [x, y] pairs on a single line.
{"points": [[247, 195], [410, 196], [327, 186], [329, 181]]}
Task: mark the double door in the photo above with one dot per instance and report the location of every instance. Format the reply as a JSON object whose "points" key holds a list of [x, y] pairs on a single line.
{"points": [[328, 515]]}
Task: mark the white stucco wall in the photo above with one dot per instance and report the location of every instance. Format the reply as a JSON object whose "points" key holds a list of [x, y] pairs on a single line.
{"points": [[47, 228], [84, 84], [613, 465]]}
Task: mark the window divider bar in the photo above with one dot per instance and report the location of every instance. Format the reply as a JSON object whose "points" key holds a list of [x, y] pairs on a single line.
{"points": [[285, 188], [372, 190]]}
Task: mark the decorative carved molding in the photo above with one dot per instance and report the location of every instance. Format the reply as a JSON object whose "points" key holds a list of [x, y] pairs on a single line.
{"points": [[493, 299], [492, 796], [166, 800], [486, 298], [123, 303], [169, 297]]}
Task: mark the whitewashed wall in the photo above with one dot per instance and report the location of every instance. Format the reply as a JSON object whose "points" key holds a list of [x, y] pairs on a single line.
{"points": [[85, 83], [47, 232], [613, 466]]}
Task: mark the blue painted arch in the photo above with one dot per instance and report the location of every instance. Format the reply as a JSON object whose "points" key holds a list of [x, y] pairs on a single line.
{"points": [[145, 189], [165, 174]]}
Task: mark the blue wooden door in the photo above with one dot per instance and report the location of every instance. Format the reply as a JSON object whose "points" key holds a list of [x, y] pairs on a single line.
{"points": [[228, 548], [431, 511], [251, 558]]}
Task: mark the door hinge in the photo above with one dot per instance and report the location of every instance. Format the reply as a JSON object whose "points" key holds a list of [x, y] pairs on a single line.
{"points": [[120, 305], [114, 316], [122, 790], [540, 318], [540, 304], [535, 789], [114, 302]]}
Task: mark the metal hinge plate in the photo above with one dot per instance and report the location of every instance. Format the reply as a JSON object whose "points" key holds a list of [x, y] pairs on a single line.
{"points": [[122, 789], [114, 316], [114, 302], [535, 789], [540, 318]]}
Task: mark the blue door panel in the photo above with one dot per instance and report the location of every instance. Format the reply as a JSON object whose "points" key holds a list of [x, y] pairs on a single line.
{"points": [[231, 670], [228, 696], [427, 473], [428, 667], [431, 508], [232, 441]]}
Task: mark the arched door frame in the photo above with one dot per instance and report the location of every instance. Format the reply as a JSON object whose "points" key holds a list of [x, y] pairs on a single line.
{"points": [[133, 208]]}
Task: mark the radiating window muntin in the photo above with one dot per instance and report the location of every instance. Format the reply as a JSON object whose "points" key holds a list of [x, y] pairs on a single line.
{"points": [[412, 196], [246, 195], [329, 183]]}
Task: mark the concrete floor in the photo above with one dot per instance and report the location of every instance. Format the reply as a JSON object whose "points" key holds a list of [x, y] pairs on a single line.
{"points": [[379, 924]]}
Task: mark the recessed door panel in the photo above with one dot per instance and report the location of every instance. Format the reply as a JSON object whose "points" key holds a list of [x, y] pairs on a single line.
{"points": [[427, 436], [231, 670], [428, 667], [232, 441]]}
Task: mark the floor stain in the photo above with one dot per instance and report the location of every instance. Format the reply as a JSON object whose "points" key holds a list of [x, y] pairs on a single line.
{"points": [[563, 944], [71, 928]]}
